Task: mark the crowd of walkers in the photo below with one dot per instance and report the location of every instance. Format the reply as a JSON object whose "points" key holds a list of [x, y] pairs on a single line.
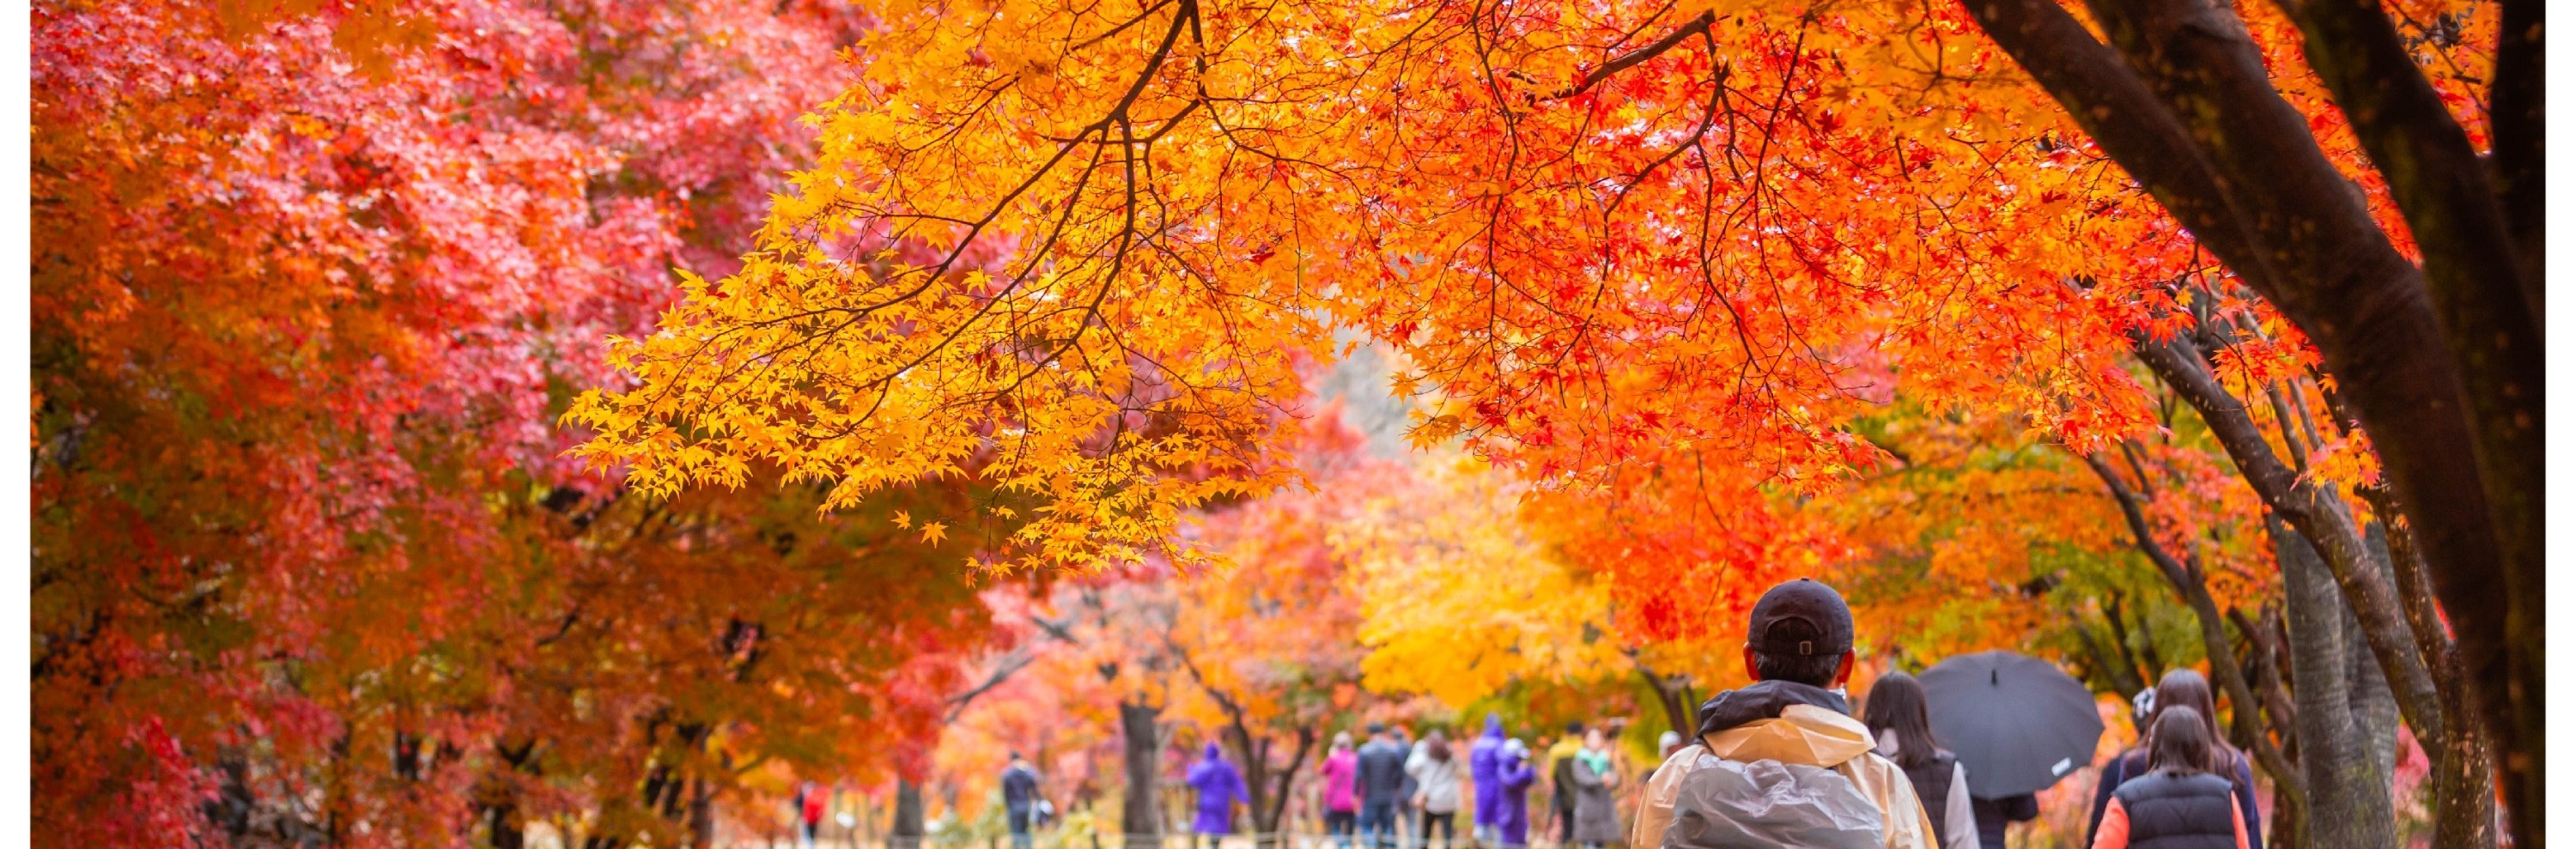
{"points": [[1778, 763], [1390, 792]]}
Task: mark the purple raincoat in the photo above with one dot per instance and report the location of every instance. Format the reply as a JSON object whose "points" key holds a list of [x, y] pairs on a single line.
{"points": [[1482, 760], [1219, 786], [1511, 812]]}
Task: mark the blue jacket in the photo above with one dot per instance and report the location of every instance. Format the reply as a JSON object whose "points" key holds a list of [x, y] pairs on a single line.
{"points": [[1219, 786], [1484, 760], [1511, 814]]}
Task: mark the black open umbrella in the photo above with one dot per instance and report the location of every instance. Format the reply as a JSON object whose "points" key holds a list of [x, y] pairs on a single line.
{"points": [[2017, 722]]}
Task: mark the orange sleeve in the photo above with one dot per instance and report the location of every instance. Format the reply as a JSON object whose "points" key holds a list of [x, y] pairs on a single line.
{"points": [[2114, 833], [2239, 814]]}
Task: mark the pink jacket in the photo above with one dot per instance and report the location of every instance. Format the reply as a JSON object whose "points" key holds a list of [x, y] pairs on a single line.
{"points": [[1339, 770]]}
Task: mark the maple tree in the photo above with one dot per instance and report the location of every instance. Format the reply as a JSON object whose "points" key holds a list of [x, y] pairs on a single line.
{"points": [[1264, 637], [2427, 314], [1714, 293], [1459, 598], [1619, 240], [309, 562]]}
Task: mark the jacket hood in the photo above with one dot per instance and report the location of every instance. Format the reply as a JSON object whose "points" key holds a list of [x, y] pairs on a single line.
{"points": [[1565, 747], [1762, 700], [1494, 725], [1213, 754], [1783, 721], [1801, 734]]}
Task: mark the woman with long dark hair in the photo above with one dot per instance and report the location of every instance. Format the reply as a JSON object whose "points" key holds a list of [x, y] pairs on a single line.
{"points": [[1901, 720], [2182, 688], [2178, 803]]}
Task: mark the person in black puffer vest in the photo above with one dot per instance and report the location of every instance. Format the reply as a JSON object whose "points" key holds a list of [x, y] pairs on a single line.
{"points": [[2179, 803], [2181, 687], [1900, 719]]}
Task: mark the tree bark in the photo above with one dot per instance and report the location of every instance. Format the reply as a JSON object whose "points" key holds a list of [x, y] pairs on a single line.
{"points": [[2316, 514], [1268, 787], [2375, 571], [1140, 815], [2186, 106], [702, 815], [1670, 693], [906, 831], [2463, 777], [2344, 782]]}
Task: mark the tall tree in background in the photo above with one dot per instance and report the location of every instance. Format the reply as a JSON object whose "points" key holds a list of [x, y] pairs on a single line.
{"points": [[1265, 635], [309, 291]]}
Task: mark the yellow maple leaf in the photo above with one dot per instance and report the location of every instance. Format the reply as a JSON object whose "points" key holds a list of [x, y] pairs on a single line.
{"points": [[933, 532], [902, 519]]}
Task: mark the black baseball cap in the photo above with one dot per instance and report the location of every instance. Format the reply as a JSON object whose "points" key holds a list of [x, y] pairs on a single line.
{"points": [[1827, 621]]}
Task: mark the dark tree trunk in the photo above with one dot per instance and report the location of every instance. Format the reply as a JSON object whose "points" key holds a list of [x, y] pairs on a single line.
{"points": [[2288, 827], [2442, 363], [1141, 814], [1671, 691], [2463, 759], [906, 830], [1268, 787], [506, 832], [2404, 638], [702, 815], [2463, 776]]}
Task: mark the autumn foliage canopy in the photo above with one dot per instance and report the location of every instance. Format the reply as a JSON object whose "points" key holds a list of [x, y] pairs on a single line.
{"points": [[613, 411]]}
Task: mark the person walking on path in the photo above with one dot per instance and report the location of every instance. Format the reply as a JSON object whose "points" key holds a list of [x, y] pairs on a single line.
{"points": [[1220, 786], [1596, 813], [1019, 800], [1381, 779], [1341, 802], [1513, 775], [1798, 643], [1901, 721], [2180, 688], [1560, 782], [2179, 803], [1484, 758], [1406, 812], [1435, 779], [811, 799]]}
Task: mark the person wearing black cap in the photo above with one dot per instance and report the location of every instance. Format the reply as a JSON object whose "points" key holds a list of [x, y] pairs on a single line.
{"points": [[1783, 759]]}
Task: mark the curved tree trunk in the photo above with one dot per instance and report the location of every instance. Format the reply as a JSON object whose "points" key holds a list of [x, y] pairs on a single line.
{"points": [[2395, 618], [2442, 363]]}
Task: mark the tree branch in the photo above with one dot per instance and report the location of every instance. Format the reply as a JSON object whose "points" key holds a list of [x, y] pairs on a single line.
{"points": [[2315, 515], [1631, 59], [2213, 633]]}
